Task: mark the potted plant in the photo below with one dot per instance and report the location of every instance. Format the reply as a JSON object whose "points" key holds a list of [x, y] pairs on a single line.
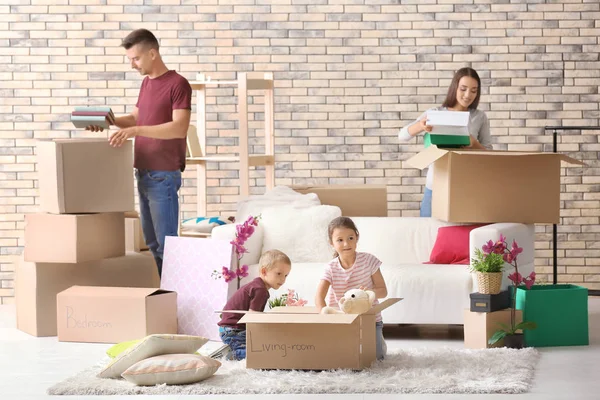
{"points": [[512, 335], [488, 269]]}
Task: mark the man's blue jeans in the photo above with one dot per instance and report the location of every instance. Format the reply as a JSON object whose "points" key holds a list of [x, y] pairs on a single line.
{"points": [[159, 208], [426, 203]]}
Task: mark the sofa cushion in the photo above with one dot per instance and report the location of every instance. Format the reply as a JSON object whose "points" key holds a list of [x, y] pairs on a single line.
{"points": [[398, 240], [452, 245], [301, 233]]}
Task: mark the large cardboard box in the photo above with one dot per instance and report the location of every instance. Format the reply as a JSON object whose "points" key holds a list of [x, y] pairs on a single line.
{"points": [[302, 338], [480, 327], [37, 285], [84, 176], [73, 238], [95, 314], [494, 186], [353, 200]]}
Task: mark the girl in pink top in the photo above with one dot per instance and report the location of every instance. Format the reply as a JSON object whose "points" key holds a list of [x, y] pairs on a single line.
{"points": [[351, 270]]}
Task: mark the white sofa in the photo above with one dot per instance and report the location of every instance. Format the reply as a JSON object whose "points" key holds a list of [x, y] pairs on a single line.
{"points": [[433, 294]]}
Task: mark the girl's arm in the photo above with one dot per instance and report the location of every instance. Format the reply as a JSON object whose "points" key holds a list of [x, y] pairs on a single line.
{"points": [[379, 286], [484, 137], [414, 128], [321, 293]]}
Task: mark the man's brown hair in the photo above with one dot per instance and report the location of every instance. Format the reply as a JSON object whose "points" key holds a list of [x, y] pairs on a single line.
{"points": [[140, 36]]}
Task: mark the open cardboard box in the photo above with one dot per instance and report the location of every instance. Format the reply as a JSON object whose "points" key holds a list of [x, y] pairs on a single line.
{"points": [[96, 314], [494, 186], [302, 338]]}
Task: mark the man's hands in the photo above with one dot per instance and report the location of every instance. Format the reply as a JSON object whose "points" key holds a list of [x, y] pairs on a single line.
{"points": [[94, 128], [119, 137]]}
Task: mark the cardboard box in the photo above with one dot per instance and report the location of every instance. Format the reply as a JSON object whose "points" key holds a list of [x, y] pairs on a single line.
{"points": [[189, 267], [134, 236], [37, 285], [62, 238], [84, 176], [354, 200], [302, 338], [96, 314], [494, 186], [480, 327]]}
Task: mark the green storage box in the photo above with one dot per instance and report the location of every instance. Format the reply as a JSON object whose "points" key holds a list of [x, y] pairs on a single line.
{"points": [[448, 141], [561, 314]]}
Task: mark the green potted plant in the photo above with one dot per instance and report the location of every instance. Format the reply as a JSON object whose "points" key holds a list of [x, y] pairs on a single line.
{"points": [[512, 335], [488, 269]]}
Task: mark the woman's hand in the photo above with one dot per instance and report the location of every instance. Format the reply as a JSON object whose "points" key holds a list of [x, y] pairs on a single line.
{"points": [[474, 144], [423, 125]]}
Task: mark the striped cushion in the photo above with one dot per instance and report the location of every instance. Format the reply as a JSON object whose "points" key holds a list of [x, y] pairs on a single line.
{"points": [[150, 346], [172, 369]]}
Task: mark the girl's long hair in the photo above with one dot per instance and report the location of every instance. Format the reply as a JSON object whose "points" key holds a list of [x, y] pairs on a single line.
{"points": [[451, 96]]}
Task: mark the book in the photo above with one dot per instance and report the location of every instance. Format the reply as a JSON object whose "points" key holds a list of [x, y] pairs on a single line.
{"points": [[101, 116]]}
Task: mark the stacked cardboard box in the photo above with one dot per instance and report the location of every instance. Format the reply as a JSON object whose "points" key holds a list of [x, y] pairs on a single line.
{"points": [[78, 237], [471, 186]]}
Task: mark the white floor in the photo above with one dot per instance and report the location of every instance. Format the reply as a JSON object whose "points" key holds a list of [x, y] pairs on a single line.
{"points": [[29, 365]]}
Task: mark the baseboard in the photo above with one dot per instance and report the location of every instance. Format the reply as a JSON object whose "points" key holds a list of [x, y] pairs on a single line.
{"points": [[593, 292]]}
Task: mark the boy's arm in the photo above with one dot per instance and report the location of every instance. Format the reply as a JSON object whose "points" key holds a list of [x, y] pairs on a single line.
{"points": [[258, 300], [322, 289], [379, 286]]}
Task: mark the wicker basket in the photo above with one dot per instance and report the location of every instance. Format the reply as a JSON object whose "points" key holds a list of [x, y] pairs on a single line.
{"points": [[489, 282]]}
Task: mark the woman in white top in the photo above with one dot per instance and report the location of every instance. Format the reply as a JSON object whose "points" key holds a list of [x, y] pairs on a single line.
{"points": [[463, 95]]}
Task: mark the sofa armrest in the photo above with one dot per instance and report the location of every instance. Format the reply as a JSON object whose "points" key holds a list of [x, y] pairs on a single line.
{"points": [[522, 233], [253, 245]]}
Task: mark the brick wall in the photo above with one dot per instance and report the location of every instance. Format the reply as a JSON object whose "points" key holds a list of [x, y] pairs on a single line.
{"points": [[348, 74]]}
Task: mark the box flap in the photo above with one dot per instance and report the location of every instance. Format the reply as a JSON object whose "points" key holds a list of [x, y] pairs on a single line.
{"points": [[432, 153], [294, 310], [105, 291], [426, 157], [383, 305], [271, 318]]}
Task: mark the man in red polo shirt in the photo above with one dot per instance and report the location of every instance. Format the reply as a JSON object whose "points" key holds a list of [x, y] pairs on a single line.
{"points": [[159, 123]]}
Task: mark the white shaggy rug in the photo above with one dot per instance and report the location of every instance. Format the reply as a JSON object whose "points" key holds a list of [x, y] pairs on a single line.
{"points": [[420, 370]]}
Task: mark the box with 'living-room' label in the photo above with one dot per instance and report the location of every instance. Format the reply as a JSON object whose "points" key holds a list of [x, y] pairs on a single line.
{"points": [[98, 314], [301, 338]]}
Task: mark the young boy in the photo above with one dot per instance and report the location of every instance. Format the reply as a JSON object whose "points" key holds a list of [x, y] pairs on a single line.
{"points": [[274, 267]]}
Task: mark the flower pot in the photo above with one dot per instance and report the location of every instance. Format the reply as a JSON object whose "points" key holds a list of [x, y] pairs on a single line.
{"points": [[515, 341], [489, 282], [560, 312]]}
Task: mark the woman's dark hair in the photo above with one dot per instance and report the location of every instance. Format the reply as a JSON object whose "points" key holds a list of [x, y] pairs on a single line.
{"points": [[451, 96], [140, 36], [340, 222]]}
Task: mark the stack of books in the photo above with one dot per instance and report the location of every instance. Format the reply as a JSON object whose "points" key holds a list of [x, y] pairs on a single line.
{"points": [[93, 116]]}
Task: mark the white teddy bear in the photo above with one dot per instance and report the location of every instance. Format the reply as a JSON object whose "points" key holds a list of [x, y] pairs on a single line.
{"points": [[355, 301]]}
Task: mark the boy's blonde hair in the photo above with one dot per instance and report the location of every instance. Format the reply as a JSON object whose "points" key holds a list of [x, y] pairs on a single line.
{"points": [[271, 257]]}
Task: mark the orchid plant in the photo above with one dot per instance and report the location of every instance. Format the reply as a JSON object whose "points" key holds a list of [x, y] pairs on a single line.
{"points": [[289, 299], [510, 255], [242, 234]]}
